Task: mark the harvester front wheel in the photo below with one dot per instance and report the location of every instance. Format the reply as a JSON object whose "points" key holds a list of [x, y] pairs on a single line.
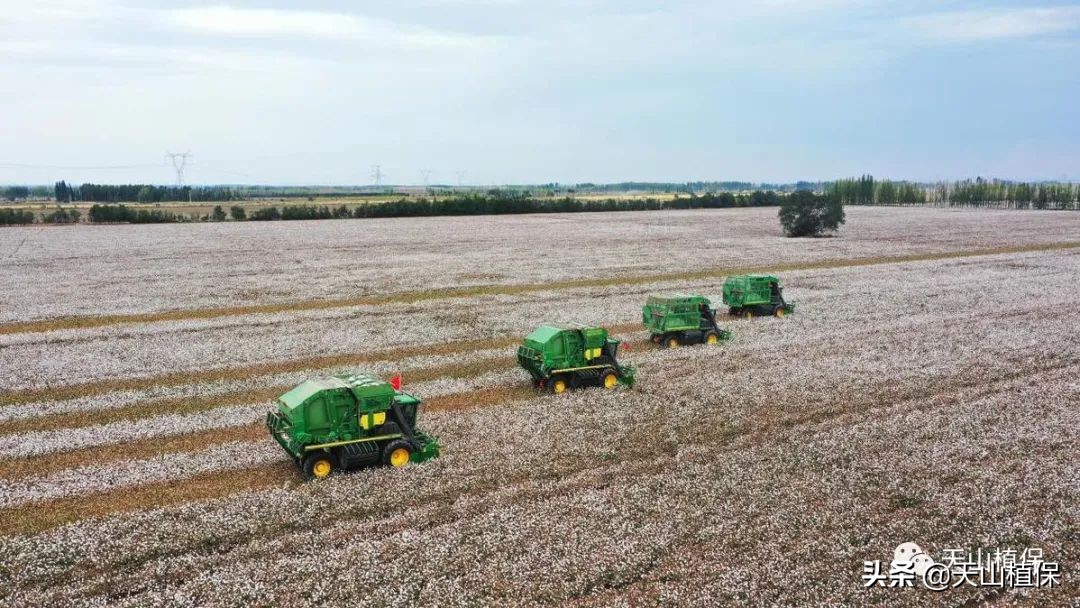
{"points": [[559, 384], [748, 315], [609, 379], [319, 465], [397, 454], [673, 342], [711, 338], [779, 311]]}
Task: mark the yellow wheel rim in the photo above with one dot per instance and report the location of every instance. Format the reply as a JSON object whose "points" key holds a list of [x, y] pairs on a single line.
{"points": [[749, 315], [780, 313], [672, 343], [559, 386], [321, 469], [399, 457], [711, 339], [610, 381]]}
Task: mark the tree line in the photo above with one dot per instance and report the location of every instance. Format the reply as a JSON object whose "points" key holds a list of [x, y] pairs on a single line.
{"points": [[866, 190], [495, 202], [1000, 193], [60, 215], [139, 193]]}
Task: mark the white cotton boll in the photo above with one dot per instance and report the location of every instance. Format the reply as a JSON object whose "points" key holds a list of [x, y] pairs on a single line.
{"points": [[46, 442], [170, 466], [721, 478]]}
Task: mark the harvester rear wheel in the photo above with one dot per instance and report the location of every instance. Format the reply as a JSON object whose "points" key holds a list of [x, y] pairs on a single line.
{"points": [[609, 379], [319, 465], [779, 311], [748, 315], [672, 342], [711, 338], [559, 384], [397, 453]]}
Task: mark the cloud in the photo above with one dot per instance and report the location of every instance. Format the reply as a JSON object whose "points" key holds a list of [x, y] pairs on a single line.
{"points": [[284, 24], [994, 24]]}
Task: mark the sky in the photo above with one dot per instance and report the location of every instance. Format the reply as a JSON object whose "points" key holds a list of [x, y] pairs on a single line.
{"points": [[507, 92]]}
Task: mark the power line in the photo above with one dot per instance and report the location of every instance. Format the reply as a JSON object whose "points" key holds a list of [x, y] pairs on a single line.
{"points": [[376, 174], [426, 174], [179, 160], [202, 167], [78, 167]]}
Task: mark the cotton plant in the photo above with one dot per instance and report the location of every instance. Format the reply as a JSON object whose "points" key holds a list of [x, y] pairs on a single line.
{"points": [[926, 401]]}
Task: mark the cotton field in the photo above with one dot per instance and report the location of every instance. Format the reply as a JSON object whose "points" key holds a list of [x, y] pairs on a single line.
{"points": [[926, 390]]}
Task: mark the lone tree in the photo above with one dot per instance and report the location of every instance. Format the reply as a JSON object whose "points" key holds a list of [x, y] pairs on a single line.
{"points": [[804, 213]]}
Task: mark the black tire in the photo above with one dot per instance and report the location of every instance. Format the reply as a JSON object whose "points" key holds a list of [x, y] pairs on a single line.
{"points": [[672, 341], [779, 311], [319, 465], [715, 337], [391, 454]]}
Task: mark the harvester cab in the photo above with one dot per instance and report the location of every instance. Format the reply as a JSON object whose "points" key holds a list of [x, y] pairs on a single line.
{"points": [[349, 421], [751, 295], [559, 358], [682, 319]]}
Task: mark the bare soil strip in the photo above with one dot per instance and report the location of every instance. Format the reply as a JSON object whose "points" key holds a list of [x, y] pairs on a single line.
{"points": [[85, 322], [350, 359], [268, 368], [190, 405], [39, 466], [100, 387], [35, 518], [42, 516]]}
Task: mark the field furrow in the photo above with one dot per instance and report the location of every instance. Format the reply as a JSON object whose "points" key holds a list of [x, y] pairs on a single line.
{"points": [[86, 322]]}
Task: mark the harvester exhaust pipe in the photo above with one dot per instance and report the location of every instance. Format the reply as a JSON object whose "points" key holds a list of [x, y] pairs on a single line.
{"points": [[403, 425]]}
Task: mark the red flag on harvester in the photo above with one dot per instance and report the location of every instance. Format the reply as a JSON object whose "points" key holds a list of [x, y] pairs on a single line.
{"points": [[626, 346], [396, 382]]}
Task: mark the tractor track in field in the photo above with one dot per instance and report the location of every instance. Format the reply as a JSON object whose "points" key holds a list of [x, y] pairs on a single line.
{"points": [[268, 368], [244, 372], [90, 321], [40, 516], [200, 487], [190, 405], [254, 370], [187, 405], [44, 464]]}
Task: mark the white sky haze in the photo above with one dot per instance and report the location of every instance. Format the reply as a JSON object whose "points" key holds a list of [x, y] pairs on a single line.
{"points": [[533, 92]]}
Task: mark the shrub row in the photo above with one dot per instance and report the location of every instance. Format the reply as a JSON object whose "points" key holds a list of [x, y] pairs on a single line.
{"points": [[502, 203]]}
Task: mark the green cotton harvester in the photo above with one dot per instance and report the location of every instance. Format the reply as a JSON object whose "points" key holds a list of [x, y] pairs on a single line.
{"points": [[751, 295], [349, 421], [682, 319], [561, 358]]}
